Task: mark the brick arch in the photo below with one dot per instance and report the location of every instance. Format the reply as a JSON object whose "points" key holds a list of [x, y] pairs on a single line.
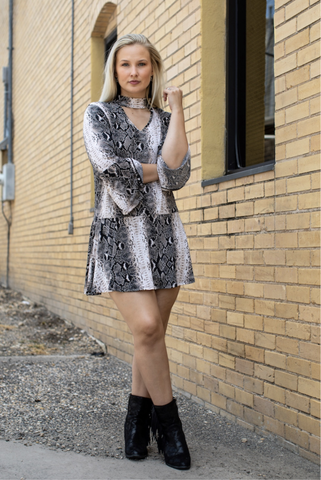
{"points": [[102, 19]]}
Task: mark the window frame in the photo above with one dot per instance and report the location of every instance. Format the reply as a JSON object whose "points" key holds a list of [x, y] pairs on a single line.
{"points": [[235, 85], [236, 29]]}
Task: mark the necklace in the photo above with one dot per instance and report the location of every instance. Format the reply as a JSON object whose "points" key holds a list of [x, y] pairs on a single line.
{"points": [[130, 102]]}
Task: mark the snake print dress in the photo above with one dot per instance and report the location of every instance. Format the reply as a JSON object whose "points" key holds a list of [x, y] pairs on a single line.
{"points": [[137, 240]]}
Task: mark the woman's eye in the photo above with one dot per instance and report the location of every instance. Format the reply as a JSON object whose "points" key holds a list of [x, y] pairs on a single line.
{"points": [[126, 64]]}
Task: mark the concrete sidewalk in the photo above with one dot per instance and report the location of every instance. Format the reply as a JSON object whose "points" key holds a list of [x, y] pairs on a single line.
{"points": [[20, 462]]}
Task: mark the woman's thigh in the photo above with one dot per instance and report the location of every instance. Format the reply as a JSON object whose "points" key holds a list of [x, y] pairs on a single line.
{"points": [[166, 298]]}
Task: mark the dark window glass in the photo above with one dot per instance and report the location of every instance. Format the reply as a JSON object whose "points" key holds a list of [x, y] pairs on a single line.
{"points": [[269, 98], [109, 42], [250, 83]]}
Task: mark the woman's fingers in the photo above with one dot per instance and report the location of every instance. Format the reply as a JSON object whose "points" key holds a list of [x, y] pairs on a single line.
{"points": [[174, 96], [172, 89]]}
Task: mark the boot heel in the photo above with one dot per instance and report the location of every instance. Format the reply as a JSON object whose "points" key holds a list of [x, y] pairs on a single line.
{"points": [[168, 431]]}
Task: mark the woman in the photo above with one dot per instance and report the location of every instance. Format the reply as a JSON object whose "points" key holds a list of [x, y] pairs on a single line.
{"points": [[138, 250]]}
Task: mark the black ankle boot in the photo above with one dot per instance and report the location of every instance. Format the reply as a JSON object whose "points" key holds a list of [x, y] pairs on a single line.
{"points": [[137, 427], [167, 429]]}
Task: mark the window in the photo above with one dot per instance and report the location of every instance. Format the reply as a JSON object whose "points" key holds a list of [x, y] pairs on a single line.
{"points": [[250, 131], [109, 42]]}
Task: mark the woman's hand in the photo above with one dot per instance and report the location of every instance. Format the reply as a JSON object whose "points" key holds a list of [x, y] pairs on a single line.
{"points": [[174, 96]]}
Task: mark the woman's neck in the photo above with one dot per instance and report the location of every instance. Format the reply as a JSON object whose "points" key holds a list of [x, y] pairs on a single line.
{"points": [[132, 102]]}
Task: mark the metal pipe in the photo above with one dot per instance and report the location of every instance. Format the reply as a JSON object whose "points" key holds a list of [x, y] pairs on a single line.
{"points": [[5, 107], [9, 221], [8, 124], [71, 221], [10, 82]]}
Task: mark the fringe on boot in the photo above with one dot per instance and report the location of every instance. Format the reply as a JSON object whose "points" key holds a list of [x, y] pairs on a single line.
{"points": [[168, 431]]}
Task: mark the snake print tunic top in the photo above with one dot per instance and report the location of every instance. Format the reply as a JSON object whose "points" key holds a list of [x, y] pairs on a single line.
{"points": [[137, 241]]}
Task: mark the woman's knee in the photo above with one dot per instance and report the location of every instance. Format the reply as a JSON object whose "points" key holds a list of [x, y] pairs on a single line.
{"points": [[150, 330]]}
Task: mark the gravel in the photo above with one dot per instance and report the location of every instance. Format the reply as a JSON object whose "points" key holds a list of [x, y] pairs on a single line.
{"points": [[77, 402], [72, 404], [28, 328]]}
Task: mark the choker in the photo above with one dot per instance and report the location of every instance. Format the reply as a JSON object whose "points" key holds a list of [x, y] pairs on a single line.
{"points": [[131, 102]]}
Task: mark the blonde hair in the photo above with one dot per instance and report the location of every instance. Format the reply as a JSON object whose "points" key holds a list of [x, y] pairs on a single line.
{"points": [[109, 91]]}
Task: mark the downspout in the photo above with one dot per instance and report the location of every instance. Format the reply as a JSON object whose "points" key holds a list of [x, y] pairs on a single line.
{"points": [[71, 221], [8, 125], [10, 82], [9, 221], [5, 75]]}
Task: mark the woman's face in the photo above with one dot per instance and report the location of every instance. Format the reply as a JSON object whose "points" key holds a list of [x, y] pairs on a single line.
{"points": [[133, 70]]}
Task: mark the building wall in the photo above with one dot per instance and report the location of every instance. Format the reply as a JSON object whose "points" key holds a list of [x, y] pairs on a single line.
{"points": [[244, 338]]}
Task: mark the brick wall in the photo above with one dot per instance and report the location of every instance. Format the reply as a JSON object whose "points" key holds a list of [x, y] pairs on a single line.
{"points": [[244, 338]]}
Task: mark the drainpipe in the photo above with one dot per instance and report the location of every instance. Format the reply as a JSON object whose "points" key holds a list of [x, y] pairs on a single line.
{"points": [[7, 142], [5, 76], [71, 221], [10, 82], [9, 221]]}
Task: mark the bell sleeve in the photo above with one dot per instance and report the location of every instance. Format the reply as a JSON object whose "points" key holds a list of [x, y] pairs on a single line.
{"points": [[171, 178], [174, 178], [124, 176]]}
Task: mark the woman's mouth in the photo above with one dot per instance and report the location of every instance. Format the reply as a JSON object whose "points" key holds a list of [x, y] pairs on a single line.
{"points": [[134, 82]]}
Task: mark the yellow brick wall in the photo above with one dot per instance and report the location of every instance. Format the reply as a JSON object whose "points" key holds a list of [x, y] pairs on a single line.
{"points": [[244, 338]]}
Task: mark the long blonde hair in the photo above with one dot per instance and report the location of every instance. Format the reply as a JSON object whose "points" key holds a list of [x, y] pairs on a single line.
{"points": [[109, 91]]}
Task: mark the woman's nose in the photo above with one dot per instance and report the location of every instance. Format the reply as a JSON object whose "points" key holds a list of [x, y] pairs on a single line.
{"points": [[133, 71]]}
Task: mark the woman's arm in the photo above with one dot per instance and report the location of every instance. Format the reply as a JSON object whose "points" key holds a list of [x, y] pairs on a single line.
{"points": [[123, 176], [149, 173], [175, 146]]}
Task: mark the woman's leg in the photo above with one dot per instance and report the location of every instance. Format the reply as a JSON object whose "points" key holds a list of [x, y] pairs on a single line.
{"points": [[143, 316], [165, 299]]}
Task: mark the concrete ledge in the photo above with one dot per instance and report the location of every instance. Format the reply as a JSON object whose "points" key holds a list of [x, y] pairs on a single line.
{"points": [[40, 358]]}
